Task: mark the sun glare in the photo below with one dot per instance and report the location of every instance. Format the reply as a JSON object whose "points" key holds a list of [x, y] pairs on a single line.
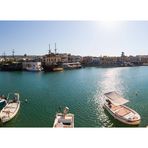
{"points": [[109, 24]]}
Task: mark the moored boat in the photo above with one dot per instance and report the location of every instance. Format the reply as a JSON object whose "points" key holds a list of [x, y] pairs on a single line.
{"points": [[11, 109], [14, 66], [52, 68], [33, 69], [64, 120], [74, 65], [32, 66], [115, 106]]}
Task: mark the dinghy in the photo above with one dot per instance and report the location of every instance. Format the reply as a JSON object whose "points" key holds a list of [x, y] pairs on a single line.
{"points": [[64, 120], [115, 106], [11, 109]]}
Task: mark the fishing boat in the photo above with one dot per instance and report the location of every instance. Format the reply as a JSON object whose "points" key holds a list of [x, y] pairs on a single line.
{"points": [[11, 109], [115, 106], [64, 120]]}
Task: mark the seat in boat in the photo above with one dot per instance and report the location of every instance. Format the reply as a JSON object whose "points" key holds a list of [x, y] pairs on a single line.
{"points": [[123, 111], [115, 108]]}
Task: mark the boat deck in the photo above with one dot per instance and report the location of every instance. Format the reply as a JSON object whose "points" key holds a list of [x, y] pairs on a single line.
{"points": [[123, 112], [64, 121], [8, 111]]}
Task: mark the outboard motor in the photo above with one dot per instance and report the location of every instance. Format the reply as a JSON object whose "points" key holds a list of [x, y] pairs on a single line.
{"points": [[66, 109]]}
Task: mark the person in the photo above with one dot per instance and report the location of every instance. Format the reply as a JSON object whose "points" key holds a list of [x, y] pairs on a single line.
{"points": [[109, 103]]}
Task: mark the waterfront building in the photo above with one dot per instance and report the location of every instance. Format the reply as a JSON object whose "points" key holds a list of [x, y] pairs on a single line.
{"points": [[91, 61], [51, 59], [107, 61], [64, 57], [22, 58], [74, 58], [143, 58]]}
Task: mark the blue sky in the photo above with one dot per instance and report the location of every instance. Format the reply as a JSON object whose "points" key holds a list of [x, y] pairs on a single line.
{"points": [[75, 37]]}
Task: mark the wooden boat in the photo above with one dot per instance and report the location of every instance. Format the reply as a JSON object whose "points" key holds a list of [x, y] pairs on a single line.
{"points": [[11, 109], [115, 106], [64, 120]]}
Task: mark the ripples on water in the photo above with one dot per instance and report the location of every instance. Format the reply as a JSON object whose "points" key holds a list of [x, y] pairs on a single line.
{"points": [[111, 81], [81, 90]]}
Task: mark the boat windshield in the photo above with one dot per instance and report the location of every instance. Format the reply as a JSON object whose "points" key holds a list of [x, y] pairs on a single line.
{"points": [[67, 123]]}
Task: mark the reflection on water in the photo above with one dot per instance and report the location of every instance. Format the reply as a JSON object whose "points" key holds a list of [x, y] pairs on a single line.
{"points": [[81, 90], [111, 81]]}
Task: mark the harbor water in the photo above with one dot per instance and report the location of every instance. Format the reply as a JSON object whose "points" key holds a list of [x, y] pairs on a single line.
{"points": [[82, 90]]}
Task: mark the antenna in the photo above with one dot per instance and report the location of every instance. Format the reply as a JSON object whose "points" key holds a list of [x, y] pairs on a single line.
{"points": [[55, 48]]}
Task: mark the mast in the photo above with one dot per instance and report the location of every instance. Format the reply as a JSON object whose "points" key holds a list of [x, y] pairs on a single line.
{"points": [[55, 49], [13, 53], [4, 55], [49, 50]]}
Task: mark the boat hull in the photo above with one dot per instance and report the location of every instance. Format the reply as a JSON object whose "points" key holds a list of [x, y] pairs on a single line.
{"points": [[60, 119], [52, 68], [136, 122], [5, 117], [33, 70]]}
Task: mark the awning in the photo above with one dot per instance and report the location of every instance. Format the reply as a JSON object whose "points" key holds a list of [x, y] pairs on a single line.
{"points": [[115, 98]]}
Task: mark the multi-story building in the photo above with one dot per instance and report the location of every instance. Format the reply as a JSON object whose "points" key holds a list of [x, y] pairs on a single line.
{"points": [[74, 58], [51, 59], [89, 60], [143, 58], [105, 60], [64, 57]]}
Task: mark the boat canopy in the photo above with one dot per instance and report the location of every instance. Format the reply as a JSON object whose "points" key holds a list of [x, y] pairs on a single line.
{"points": [[115, 98]]}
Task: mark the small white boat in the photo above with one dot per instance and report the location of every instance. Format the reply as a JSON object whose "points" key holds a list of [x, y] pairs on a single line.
{"points": [[73, 65], [11, 109], [64, 120], [114, 105]]}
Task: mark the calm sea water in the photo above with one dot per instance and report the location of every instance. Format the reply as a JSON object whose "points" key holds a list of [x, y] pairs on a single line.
{"points": [[81, 90]]}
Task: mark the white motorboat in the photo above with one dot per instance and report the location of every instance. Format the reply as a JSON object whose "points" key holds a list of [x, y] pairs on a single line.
{"points": [[64, 120], [34, 69], [115, 106], [11, 109], [73, 65], [32, 66]]}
